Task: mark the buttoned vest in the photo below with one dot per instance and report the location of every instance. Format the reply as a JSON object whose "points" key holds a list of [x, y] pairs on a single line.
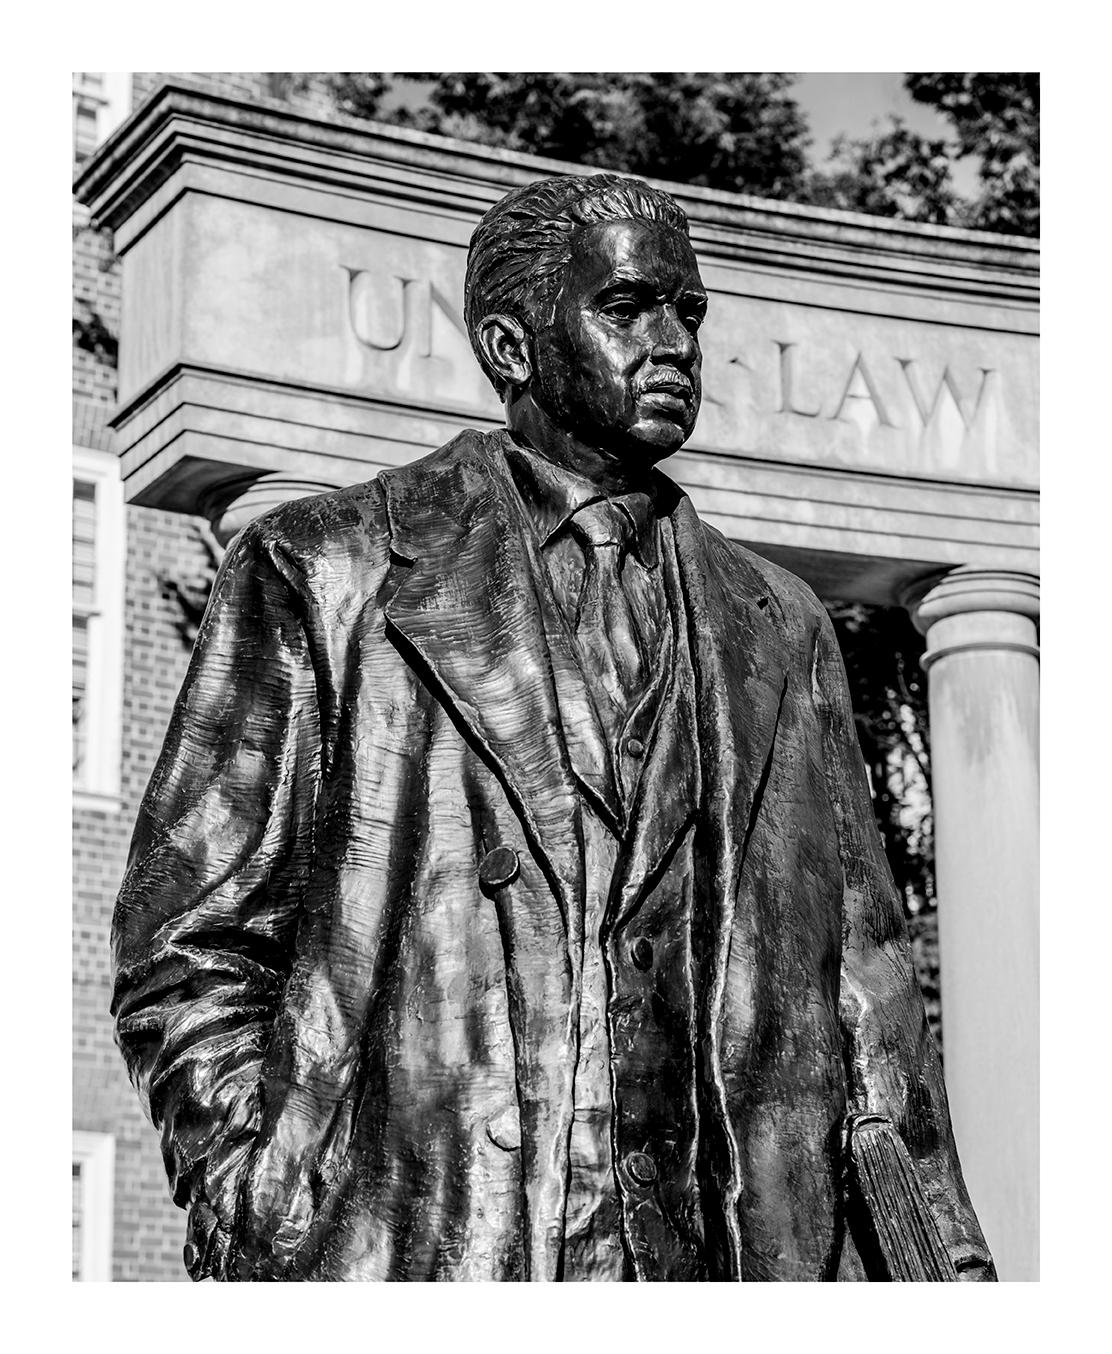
{"points": [[634, 1140]]}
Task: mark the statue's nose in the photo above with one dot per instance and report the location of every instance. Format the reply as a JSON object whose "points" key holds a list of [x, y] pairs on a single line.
{"points": [[672, 339]]}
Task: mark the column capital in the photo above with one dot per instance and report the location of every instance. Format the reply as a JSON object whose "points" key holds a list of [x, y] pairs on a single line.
{"points": [[970, 609], [231, 505], [970, 589]]}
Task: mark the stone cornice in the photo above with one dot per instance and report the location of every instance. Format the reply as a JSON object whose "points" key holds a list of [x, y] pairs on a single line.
{"points": [[179, 125]]}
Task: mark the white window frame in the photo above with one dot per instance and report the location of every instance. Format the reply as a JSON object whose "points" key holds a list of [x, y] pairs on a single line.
{"points": [[112, 100], [99, 784], [95, 1153], [117, 103]]}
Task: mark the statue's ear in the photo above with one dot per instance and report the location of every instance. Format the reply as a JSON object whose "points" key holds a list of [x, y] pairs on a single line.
{"points": [[506, 345]]}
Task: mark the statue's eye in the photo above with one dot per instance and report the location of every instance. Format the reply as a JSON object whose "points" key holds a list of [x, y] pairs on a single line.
{"points": [[626, 310]]}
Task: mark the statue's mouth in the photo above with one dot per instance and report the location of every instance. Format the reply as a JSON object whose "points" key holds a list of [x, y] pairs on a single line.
{"points": [[670, 384]]}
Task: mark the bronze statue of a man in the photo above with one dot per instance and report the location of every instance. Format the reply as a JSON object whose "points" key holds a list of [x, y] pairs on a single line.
{"points": [[507, 901]]}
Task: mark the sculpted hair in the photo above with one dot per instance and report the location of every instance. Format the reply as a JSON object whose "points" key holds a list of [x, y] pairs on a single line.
{"points": [[521, 247]]}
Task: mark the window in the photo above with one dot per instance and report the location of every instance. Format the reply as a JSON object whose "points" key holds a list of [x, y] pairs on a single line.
{"points": [[94, 1159], [98, 578], [101, 101], [88, 99]]}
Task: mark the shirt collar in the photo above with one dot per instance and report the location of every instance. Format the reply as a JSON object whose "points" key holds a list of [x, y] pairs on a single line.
{"points": [[553, 494]]}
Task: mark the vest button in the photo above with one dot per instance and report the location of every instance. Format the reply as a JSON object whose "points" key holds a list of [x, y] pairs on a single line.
{"points": [[635, 747], [641, 952], [190, 1254], [641, 1167], [504, 1130], [498, 868]]}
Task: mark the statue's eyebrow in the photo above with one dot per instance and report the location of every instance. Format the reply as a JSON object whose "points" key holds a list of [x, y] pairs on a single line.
{"points": [[623, 279]]}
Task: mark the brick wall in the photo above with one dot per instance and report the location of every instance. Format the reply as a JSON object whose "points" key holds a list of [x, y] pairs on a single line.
{"points": [[148, 1231]]}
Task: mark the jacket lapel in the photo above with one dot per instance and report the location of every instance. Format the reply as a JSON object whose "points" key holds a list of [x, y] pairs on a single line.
{"points": [[467, 608], [466, 615], [741, 666], [735, 660]]}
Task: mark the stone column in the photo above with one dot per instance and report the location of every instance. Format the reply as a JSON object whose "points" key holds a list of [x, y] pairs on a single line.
{"points": [[983, 663], [235, 503]]}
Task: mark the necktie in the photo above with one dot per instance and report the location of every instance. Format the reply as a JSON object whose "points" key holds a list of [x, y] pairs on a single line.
{"points": [[605, 626]]}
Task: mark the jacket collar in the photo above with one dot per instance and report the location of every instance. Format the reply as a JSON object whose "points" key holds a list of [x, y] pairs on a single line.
{"points": [[553, 494]]}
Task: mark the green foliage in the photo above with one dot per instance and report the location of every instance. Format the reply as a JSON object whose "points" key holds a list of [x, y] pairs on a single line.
{"points": [[995, 118], [358, 94], [741, 132], [897, 173], [92, 335]]}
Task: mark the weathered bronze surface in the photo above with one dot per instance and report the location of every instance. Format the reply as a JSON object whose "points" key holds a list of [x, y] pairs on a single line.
{"points": [[507, 902]]}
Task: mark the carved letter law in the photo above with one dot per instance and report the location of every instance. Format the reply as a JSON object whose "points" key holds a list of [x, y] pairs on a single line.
{"points": [[927, 411]]}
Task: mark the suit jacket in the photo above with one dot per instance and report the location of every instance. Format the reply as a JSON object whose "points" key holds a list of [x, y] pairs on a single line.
{"points": [[347, 946]]}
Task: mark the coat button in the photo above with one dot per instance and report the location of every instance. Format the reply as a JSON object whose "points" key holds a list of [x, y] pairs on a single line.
{"points": [[190, 1254], [635, 747], [498, 868], [641, 951], [641, 1167], [504, 1130]]}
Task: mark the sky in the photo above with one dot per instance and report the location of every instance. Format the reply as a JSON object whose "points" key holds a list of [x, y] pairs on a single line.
{"points": [[855, 104]]}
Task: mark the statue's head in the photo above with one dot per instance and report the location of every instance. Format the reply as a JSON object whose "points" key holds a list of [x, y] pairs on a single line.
{"points": [[583, 301]]}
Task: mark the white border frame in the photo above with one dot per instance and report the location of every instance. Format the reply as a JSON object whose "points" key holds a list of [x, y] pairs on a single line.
{"points": [[95, 1153], [99, 787]]}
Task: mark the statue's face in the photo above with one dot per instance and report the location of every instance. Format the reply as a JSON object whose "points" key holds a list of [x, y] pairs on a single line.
{"points": [[619, 366]]}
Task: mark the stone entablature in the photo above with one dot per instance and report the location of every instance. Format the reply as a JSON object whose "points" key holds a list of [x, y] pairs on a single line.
{"points": [[292, 298]]}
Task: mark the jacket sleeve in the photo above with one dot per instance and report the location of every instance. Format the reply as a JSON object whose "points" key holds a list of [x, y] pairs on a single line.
{"points": [[892, 1063], [204, 927]]}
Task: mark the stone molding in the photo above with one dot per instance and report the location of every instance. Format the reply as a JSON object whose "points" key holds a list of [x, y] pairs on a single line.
{"points": [[178, 124]]}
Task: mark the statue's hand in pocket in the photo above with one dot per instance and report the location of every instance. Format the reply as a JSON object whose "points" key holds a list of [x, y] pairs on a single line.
{"points": [[274, 1209]]}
